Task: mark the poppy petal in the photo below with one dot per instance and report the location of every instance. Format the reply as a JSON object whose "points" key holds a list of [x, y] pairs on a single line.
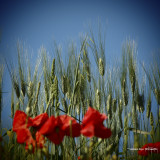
{"points": [[56, 138], [39, 120], [20, 120], [24, 135], [93, 115], [88, 130], [92, 124], [67, 127], [48, 126], [102, 132]]}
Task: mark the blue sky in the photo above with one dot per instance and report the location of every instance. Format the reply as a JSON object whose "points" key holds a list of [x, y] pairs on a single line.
{"points": [[40, 22]]}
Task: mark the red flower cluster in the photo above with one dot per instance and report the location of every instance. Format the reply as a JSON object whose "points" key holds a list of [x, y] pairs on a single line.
{"points": [[55, 128], [21, 124], [149, 149]]}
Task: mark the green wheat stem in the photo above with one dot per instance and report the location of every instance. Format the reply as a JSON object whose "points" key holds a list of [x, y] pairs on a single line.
{"points": [[76, 76]]}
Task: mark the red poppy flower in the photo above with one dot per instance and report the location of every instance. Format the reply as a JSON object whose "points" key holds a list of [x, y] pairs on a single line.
{"points": [[70, 124], [92, 124], [39, 120], [21, 126], [56, 128], [52, 129], [24, 136], [20, 121], [149, 148]]}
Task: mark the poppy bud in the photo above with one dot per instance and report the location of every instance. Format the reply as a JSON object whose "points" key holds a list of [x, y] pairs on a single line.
{"points": [[9, 133]]}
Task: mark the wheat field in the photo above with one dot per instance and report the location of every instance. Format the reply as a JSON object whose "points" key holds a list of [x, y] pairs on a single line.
{"points": [[68, 85]]}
